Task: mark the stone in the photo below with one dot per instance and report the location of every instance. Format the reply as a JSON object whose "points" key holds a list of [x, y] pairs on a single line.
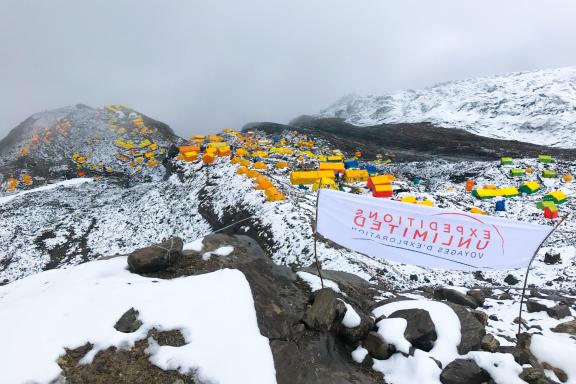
{"points": [[552, 257], [356, 334], [156, 257], [559, 311], [533, 375], [490, 343], [376, 346], [420, 330], [455, 297], [325, 310], [560, 374], [128, 322], [504, 296], [511, 280], [462, 371], [481, 316], [478, 295], [535, 306], [471, 329], [566, 327]]}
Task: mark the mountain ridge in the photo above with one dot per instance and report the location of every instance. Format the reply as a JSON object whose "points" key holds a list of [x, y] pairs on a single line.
{"points": [[534, 106]]}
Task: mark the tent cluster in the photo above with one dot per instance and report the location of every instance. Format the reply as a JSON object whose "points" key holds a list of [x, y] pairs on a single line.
{"points": [[12, 183], [549, 203]]}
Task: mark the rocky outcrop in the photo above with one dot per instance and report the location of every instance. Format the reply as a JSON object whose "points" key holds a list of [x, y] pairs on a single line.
{"points": [[156, 257]]}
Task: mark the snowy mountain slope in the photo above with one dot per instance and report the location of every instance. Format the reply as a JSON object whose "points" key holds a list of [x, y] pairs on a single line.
{"points": [[71, 225], [82, 139], [536, 107]]}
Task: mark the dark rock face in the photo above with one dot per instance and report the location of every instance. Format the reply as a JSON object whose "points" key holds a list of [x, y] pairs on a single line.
{"points": [[462, 371], [377, 347], [156, 257], [511, 280], [420, 330], [559, 311], [455, 297], [129, 322], [552, 257], [325, 311]]}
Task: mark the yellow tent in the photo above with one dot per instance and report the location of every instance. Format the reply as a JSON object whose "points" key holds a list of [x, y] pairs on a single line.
{"points": [[324, 183], [355, 175], [245, 163], [332, 167], [235, 160], [241, 152], [409, 199]]}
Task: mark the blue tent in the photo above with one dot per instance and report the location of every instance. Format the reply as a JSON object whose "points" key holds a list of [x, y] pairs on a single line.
{"points": [[500, 206], [370, 168], [349, 164]]}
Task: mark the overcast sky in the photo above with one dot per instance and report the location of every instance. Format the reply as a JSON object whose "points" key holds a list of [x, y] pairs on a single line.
{"points": [[203, 65]]}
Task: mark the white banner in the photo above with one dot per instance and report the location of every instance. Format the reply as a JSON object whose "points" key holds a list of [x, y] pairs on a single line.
{"points": [[426, 236]]}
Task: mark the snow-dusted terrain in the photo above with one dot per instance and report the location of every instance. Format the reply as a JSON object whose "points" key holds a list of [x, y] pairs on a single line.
{"points": [[536, 107]]}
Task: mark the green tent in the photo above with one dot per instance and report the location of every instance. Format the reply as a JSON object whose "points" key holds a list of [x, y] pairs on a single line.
{"points": [[506, 161]]}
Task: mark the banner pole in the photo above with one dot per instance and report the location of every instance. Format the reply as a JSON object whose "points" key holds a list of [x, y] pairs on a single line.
{"points": [[315, 235], [528, 271]]}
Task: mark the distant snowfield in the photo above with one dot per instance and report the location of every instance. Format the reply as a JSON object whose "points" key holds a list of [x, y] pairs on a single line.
{"points": [[537, 107], [43, 313]]}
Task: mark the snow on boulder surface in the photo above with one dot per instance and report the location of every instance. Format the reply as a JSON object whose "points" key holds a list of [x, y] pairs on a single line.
{"points": [[420, 368], [43, 313]]}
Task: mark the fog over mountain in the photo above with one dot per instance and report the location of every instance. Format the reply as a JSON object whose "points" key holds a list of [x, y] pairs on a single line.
{"points": [[204, 65]]}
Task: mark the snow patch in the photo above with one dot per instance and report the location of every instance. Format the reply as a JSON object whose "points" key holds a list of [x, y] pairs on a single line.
{"points": [[65, 183], [43, 313], [315, 283], [196, 245], [351, 318], [222, 252]]}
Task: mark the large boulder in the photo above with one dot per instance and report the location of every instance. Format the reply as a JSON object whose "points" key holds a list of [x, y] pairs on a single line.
{"points": [[533, 305], [324, 311], [354, 334], [566, 327], [455, 297], [490, 343], [462, 371], [471, 328], [156, 257], [559, 311], [376, 346], [552, 257], [420, 329]]}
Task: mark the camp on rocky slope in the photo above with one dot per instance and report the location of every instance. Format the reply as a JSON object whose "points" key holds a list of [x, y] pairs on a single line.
{"points": [[114, 203]]}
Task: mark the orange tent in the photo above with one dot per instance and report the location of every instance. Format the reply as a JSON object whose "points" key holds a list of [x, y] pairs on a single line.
{"points": [[260, 165], [242, 170], [235, 160], [253, 174], [208, 159]]}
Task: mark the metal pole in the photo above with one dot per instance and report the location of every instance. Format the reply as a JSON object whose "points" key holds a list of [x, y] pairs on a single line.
{"points": [[315, 236], [528, 271]]}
